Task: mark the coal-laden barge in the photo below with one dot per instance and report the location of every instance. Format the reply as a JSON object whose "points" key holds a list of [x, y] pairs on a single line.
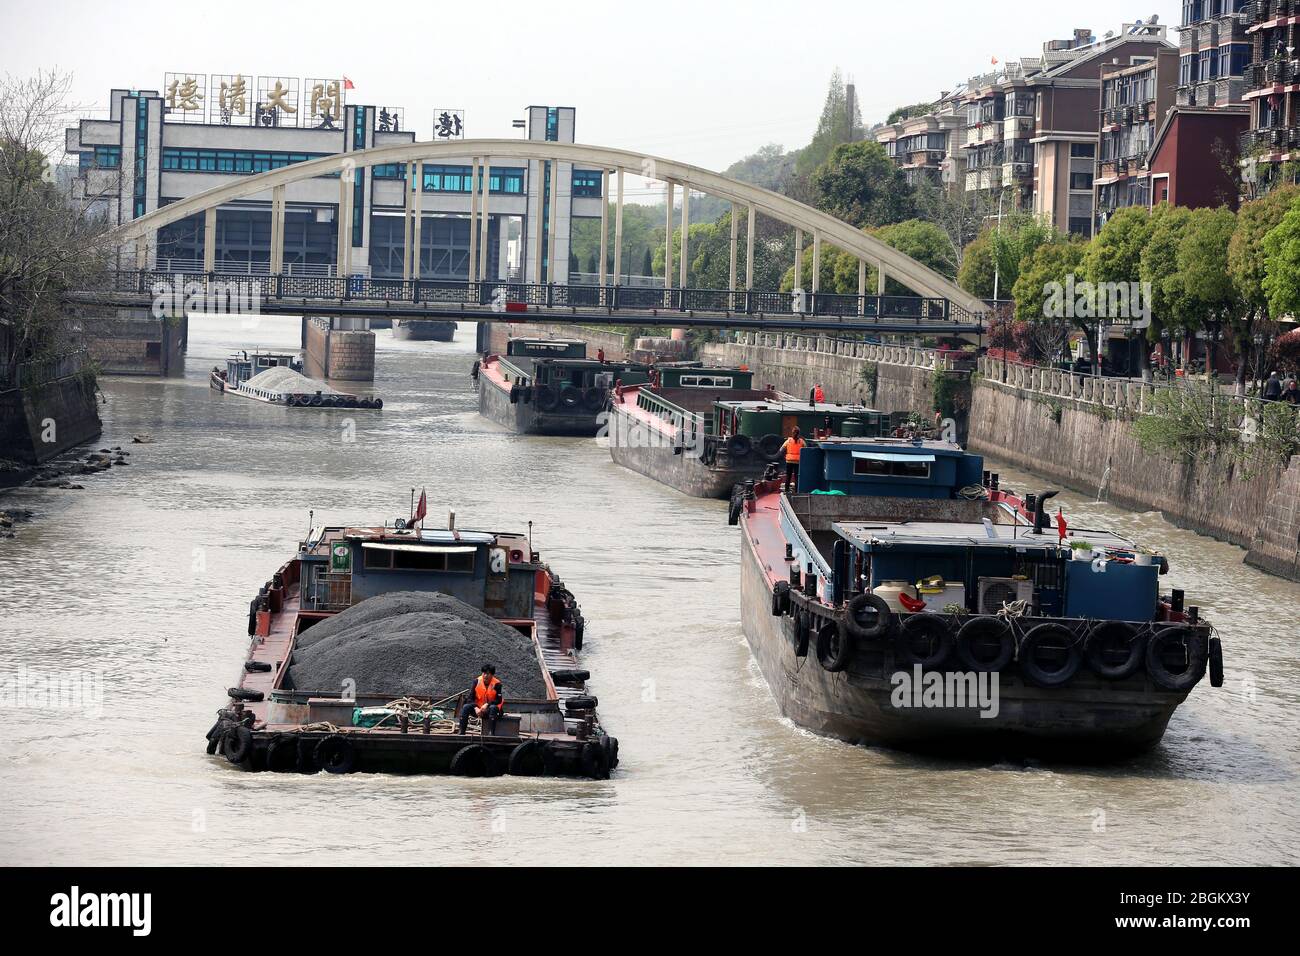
{"points": [[899, 597], [275, 378], [550, 387], [548, 724]]}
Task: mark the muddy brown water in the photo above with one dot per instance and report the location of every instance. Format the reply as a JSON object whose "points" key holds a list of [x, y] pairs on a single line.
{"points": [[140, 583]]}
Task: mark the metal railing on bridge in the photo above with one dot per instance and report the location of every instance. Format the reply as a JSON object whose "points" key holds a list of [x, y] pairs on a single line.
{"points": [[518, 296]]}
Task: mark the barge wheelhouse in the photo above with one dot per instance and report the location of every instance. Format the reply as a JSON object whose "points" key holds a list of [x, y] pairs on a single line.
{"points": [[244, 376], [550, 387], [897, 599], [424, 330], [271, 724]]}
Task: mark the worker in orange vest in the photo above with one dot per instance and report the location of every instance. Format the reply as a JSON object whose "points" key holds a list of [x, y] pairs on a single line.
{"points": [[818, 395], [792, 446], [487, 704]]}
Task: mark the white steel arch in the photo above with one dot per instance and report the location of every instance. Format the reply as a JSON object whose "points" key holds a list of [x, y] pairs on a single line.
{"points": [[803, 218]]}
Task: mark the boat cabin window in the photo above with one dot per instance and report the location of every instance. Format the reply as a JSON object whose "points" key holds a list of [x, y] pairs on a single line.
{"points": [[382, 560], [706, 381], [892, 469]]}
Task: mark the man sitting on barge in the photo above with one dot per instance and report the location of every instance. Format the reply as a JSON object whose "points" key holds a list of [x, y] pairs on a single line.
{"points": [[487, 702]]}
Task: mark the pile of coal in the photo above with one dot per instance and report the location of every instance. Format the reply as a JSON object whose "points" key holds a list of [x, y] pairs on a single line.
{"points": [[413, 643]]}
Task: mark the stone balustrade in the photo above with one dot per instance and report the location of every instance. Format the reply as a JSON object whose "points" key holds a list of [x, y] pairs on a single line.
{"points": [[906, 355]]}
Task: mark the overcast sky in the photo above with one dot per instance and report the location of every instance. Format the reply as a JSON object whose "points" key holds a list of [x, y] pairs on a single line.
{"points": [[699, 82]]}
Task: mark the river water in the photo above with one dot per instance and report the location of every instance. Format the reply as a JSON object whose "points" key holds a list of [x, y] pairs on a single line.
{"points": [[142, 581]]}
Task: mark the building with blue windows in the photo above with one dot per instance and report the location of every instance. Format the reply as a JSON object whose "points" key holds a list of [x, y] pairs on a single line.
{"points": [[149, 153]]}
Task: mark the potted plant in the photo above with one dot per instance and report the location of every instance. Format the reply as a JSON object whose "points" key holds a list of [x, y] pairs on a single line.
{"points": [[1081, 550]]}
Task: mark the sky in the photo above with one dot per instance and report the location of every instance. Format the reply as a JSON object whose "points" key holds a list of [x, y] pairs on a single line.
{"points": [[699, 82]]}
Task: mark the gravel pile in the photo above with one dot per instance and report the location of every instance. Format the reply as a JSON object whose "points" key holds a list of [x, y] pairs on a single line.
{"points": [[282, 379], [413, 642]]}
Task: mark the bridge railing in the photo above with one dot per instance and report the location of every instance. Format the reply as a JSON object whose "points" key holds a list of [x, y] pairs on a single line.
{"points": [[503, 295]]}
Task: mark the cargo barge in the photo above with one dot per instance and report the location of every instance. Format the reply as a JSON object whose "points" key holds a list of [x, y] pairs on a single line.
{"points": [[275, 378], [269, 723], [423, 330], [550, 387], [703, 430], [942, 613]]}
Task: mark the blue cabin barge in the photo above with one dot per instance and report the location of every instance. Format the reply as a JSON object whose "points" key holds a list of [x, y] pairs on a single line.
{"points": [[944, 613]]}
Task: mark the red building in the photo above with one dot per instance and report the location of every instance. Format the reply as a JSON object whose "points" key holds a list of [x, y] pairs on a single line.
{"points": [[1193, 157]]}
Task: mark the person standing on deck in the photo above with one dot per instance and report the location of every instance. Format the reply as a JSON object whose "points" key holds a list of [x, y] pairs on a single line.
{"points": [[487, 702], [818, 395], [792, 447]]}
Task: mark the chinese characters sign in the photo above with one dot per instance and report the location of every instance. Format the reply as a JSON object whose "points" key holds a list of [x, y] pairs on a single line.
{"points": [[449, 124], [241, 100], [390, 119]]}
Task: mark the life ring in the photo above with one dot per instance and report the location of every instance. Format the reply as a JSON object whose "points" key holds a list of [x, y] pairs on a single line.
{"points": [[547, 398], [1216, 662], [282, 753], [1061, 661], [834, 647], [335, 754], [868, 617], [780, 598], [237, 743], [739, 446], [595, 399], [528, 759], [570, 398], [595, 761], [1170, 647], [472, 761], [985, 644], [924, 639], [1114, 650], [769, 446]]}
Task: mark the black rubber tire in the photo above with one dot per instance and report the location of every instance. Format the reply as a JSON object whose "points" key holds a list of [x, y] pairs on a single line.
{"points": [[528, 759], [802, 633], [1216, 662], [595, 399], [579, 630], [780, 598], [595, 761], [1163, 648], [1058, 637], [307, 755], [570, 676], [379, 403], [237, 743], [931, 628], [570, 399], [611, 750], [335, 754], [979, 635], [1114, 650], [868, 617], [548, 399], [243, 693], [514, 395], [582, 702], [282, 754], [215, 734], [739, 446], [316, 401], [734, 509], [834, 647], [769, 447], [257, 667], [474, 760]]}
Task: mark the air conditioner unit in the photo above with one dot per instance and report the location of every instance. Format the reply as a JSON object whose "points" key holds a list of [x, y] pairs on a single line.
{"points": [[995, 592]]}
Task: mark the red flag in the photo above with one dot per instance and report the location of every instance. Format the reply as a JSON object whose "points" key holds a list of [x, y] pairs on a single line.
{"points": [[1060, 523], [995, 61], [421, 508], [347, 84]]}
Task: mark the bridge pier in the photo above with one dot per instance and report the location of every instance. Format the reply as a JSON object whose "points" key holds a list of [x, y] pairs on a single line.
{"points": [[338, 348]]}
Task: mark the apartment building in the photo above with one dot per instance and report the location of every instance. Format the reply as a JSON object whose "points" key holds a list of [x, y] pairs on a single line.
{"points": [[1134, 100], [1214, 49], [1271, 84]]}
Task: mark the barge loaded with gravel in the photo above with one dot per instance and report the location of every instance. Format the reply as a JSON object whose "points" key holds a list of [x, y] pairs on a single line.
{"points": [[276, 378], [368, 643]]}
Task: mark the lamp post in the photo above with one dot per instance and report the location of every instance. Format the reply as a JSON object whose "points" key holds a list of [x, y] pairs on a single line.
{"points": [[997, 275]]}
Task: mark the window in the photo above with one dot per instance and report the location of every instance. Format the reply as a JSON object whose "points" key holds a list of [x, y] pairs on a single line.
{"points": [[706, 381], [102, 157], [1081, 181], [376, 559], [587, 183], [229, 161], [1083, 150], [891, 469], [383, 559]]}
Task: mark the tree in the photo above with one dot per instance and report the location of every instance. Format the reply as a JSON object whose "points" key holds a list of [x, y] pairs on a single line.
{"points": [[49, 244], [907, 112], [860, 184], [976, 273], [961, 215], [1247, 266], [770, 168], [1042, 289], [1159, 268], [1015, 239], [1115, 256], [1203, 262], [834, 128], [1282, 264]]}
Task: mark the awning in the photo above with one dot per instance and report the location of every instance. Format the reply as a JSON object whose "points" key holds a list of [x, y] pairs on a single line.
{"points": [[886, 456], [426, 548]]}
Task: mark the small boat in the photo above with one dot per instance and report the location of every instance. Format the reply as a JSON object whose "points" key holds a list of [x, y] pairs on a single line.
{"points": [[550, 387], [272, 723], [703, 430], [276, 378], [423, 330], [901, 598]]}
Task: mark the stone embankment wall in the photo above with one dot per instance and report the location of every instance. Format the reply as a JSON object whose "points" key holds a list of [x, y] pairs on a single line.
{"points": [[136, 342], [335, 353], [48, 410], [1077, 431]]}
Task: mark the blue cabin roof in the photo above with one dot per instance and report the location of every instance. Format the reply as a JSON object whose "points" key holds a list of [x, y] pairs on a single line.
{"points": [[891, 468]]}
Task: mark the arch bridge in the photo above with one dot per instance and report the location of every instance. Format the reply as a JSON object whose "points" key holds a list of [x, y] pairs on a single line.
{"points": [[938, 304]]}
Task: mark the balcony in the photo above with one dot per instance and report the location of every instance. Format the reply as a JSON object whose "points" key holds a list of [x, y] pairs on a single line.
{"points": [[1256, 141]]}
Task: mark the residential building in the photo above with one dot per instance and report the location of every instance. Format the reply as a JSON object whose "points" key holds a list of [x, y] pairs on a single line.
{"points": [[927, 147], [1272, 85], [1134, 100], [1192, 158], [1214, 50]]}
